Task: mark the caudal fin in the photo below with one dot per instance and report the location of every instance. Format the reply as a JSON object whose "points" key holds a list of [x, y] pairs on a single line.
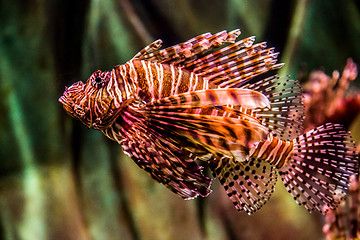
{"points": [[318, 172]]}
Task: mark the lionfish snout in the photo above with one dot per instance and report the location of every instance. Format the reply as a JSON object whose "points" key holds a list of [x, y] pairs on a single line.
{"points": [[73, 99], [90, 102], [71, 91]]}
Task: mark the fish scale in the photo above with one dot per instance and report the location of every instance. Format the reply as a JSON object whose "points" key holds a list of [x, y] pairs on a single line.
{"points": [[206, 100]]}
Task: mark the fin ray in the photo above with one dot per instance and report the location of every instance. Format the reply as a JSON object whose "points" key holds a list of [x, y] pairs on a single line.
{"points": [[162, 158], [244, 131], [215, 97], [285, 117], [190, 50]]}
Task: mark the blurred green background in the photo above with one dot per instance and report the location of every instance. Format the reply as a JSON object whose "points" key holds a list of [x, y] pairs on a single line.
{"points": [[59, 180]]}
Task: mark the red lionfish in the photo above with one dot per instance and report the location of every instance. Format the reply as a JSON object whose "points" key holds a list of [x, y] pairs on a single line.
{"points": [[202, 101]]}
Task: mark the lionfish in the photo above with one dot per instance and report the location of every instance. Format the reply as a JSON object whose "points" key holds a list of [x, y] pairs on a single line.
{"points": [[207, 101]]}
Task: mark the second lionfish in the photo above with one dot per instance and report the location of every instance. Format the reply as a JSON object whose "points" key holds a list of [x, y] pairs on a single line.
{"points": [[205, 100]]}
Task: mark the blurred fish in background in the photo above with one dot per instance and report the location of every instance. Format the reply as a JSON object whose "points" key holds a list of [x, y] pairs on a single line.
{"points": [[344, 221], [60, 180], [329, 98]]}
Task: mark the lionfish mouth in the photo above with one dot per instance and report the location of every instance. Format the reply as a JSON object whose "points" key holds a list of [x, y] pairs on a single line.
{"points": [[67, 103], [62, 100], [67, 98]]}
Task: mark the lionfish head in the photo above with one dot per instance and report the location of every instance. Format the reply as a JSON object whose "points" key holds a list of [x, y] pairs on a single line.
{"points": [[91, 102]]}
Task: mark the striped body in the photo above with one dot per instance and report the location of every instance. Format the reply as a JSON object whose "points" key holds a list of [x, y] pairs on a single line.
{"points": [[274, 151], [154, 81], [198, 100]]}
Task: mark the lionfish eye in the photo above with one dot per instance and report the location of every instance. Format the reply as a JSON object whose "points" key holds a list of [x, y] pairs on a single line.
{"points": [[97, 82]]}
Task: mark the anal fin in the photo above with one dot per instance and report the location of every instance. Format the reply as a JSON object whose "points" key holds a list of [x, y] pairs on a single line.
{"points": [[249, 184]]}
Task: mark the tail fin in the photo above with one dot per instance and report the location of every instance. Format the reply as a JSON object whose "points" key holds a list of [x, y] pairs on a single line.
{"points": [[318, 172]]}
